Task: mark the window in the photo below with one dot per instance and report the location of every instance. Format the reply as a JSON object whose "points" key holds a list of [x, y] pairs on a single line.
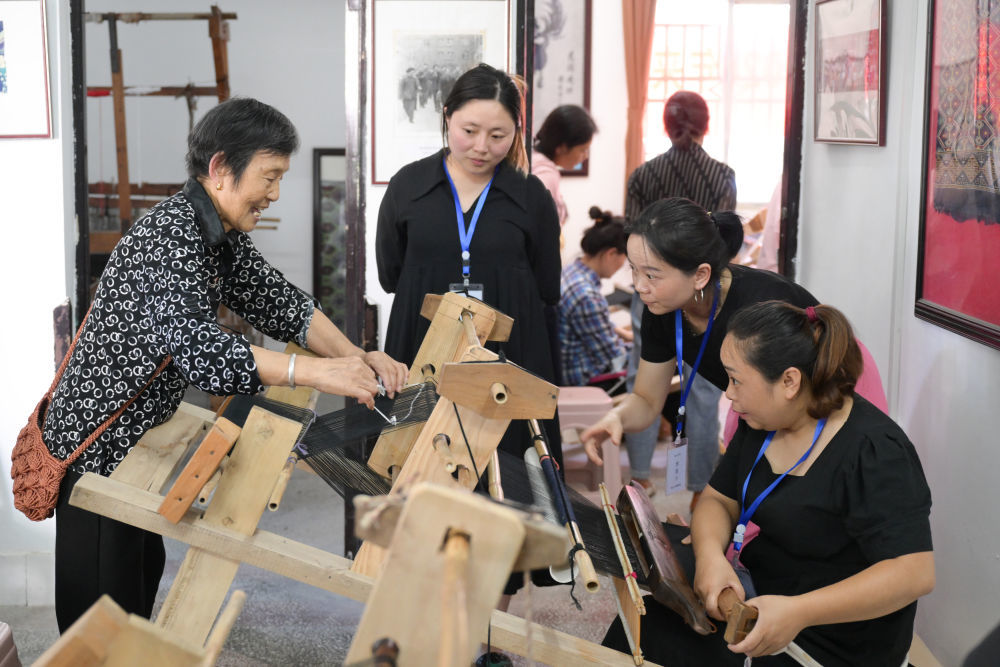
{"points": [[734, 54]]}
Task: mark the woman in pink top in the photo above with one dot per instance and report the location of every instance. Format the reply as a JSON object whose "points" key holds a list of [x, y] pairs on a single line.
{"points": [[562, 142]]}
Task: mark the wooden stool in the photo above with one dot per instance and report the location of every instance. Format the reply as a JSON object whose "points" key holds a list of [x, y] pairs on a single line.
{"points": [[580, 408]]}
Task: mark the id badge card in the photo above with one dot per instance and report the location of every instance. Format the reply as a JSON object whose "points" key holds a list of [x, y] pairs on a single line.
{"points": [[677, 466], [475, 290]]}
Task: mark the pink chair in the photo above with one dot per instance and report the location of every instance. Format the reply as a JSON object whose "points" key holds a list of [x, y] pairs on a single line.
{"points": [[580, 408]]}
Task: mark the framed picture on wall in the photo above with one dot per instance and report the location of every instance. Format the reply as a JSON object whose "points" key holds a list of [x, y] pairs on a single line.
{"points": [[850, 72], [417, 57], [24, 70], [562, 61], [329, 243], [960, 204]]}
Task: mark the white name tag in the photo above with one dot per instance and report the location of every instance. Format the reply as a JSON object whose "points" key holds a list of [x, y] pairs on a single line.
{"points": [[677, 466]]}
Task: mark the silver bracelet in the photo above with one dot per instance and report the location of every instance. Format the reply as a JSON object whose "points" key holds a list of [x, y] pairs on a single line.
{"points": [[291, 371]]}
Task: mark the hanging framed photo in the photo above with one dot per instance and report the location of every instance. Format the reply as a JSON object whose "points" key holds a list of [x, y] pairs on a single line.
{"points": [[24, 70], [850, 72], [562, 61], [960, 203], [416, 59]]}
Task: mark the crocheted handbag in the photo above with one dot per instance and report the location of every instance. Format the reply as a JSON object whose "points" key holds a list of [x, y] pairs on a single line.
{"points": [[36, 473]]}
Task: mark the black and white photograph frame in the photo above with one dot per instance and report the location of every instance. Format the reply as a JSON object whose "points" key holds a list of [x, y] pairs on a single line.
{"points": [[850, 72], [415, 61], [24, 71], [561, 61]]}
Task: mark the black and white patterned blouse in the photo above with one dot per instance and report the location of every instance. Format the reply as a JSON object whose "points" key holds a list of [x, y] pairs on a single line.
{"points": [[159, 295]]}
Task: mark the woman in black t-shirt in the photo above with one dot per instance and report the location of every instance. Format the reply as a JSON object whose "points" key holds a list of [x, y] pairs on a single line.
{"points": [[844, 549], [679, 254]]}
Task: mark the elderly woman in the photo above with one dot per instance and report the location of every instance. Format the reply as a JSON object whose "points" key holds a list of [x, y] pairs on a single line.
{"points": [[152, 331]]}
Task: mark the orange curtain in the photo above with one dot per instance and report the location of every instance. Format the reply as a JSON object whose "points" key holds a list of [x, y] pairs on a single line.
{"points": [[637, 16]]}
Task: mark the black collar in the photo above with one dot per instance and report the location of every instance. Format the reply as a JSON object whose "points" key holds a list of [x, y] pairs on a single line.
{"points": [[430, 173], [204, 210]]}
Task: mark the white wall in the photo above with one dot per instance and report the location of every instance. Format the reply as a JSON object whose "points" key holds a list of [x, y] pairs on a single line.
{"points": [[37, 210], [858, 250], [290, 58]]}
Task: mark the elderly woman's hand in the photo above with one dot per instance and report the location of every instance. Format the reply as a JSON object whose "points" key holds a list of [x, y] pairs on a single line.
{"points": [[392, 372], [344, 376]]}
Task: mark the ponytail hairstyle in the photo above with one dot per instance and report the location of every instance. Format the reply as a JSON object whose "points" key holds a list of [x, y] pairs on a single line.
{"points": [[685, 236], [607, 232], [484, 82], [685, 117], [774, 336]]}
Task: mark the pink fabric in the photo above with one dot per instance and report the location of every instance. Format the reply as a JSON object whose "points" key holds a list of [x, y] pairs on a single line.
{"points": [[548, 173]]}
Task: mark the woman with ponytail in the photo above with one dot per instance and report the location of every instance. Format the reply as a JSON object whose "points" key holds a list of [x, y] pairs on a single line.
{"points": [[680, 254], [844, 549], [589, 342], [468, 218]]}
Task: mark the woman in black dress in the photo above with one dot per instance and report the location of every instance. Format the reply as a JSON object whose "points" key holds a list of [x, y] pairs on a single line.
{"points": [[844, 549], [508, 231]]}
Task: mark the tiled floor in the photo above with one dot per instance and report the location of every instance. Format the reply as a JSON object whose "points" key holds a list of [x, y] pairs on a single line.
{"points": [[288, 623]]}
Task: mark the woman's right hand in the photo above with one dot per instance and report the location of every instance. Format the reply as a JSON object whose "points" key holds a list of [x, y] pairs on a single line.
{"points": [[712, 575], [610, 426], [344, 376]]}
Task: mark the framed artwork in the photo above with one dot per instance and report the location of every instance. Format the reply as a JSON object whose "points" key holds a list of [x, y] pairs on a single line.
{"points": [[329, 244], [850, 72], [960, 203], [24, 70], [416, 59], [562, 61]]}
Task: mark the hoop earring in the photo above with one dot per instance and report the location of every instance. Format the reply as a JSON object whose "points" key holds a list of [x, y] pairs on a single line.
{"points": [[699, 295]]}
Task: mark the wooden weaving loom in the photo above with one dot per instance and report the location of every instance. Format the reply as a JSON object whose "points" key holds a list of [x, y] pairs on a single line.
{"points": [[226, 534]]}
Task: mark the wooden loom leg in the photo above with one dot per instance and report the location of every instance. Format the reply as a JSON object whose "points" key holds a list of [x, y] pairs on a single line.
{"points": [[204, 578]]}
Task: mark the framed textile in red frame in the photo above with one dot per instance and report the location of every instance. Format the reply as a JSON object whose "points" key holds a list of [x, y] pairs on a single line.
{"points": [[960, 199]]}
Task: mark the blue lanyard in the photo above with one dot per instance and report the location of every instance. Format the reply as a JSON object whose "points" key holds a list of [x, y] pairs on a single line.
{"points": [[679, 337], [747, 512], [465, 235]]}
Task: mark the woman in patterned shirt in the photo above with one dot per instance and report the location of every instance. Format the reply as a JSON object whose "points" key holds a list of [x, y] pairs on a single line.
{"points": [[159, 296], [589, 343]]}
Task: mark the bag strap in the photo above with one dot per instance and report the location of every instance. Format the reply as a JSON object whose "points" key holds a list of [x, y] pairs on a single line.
{"points": [[103, 427]]}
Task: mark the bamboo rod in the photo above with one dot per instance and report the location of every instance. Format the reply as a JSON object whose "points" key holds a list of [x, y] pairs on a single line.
{"points": [[616, 537]]}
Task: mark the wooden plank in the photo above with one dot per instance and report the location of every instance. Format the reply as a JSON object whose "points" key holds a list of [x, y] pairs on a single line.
{"points": [[412, 584], [142, 643], [86, 642], [263, 549], [204, 578], [499, 390], [121, 144], [312, 566], [199, 469], [157, 455], [550, 646]]}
